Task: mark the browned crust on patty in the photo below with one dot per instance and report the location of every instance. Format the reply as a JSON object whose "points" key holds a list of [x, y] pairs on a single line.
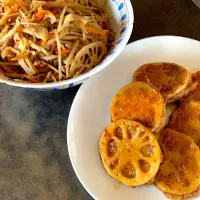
{"points": [[169, 79], [178, 197], [194, 93], [190, 87]]}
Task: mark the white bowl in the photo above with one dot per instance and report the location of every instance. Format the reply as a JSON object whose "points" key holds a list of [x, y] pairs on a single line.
{"points": [[121, 21]]}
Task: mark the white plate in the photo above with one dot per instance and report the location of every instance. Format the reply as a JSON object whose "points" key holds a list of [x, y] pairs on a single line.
{"points": [[90, 112]]}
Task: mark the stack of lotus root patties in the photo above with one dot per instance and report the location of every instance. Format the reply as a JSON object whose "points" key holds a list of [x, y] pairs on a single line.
{"points": [[139, 147]]}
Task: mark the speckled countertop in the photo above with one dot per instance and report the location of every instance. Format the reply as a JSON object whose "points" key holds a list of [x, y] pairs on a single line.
{"points": [[34, 162]]}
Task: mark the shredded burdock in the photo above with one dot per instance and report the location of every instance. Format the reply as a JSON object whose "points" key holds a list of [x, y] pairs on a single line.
{"points": [[53, 40]]}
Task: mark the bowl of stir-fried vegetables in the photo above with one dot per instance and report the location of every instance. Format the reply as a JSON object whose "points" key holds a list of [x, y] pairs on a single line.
{"points": [[55, 44]]}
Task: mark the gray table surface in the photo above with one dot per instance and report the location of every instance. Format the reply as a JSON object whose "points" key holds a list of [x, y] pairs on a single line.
{"points": [[34, 162]]}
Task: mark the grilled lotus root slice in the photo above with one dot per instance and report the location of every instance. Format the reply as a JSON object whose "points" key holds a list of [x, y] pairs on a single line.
{"points": [[139, 102], [129, 152], [185, 119], [168, 78], [195, 93], [179, 174], [88, 57]]}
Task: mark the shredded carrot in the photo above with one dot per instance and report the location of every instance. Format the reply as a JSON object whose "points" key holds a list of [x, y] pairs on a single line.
{"points": [[41, 65], [4, 19], [15, 7], [95, 30], [16, 58], [65, 51], [41, 14], [51, 35], [32, 79], [21, 3], [19, 28], [52, 47], [16, 43], [43, 43], [7, 4]]}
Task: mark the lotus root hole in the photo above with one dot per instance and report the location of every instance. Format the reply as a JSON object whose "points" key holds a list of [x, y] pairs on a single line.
{"points": [[144, 165], [99, 50], [131, 130], [83, 59], [147, 150], [141, 133], [145, 139], [90, 51], [118, 133], [86, 59], [111, 148], [184, 182], [113, 164], [128, 170]]}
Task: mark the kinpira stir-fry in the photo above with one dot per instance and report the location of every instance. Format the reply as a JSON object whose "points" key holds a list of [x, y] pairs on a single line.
{"points": [[49, 41]]}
